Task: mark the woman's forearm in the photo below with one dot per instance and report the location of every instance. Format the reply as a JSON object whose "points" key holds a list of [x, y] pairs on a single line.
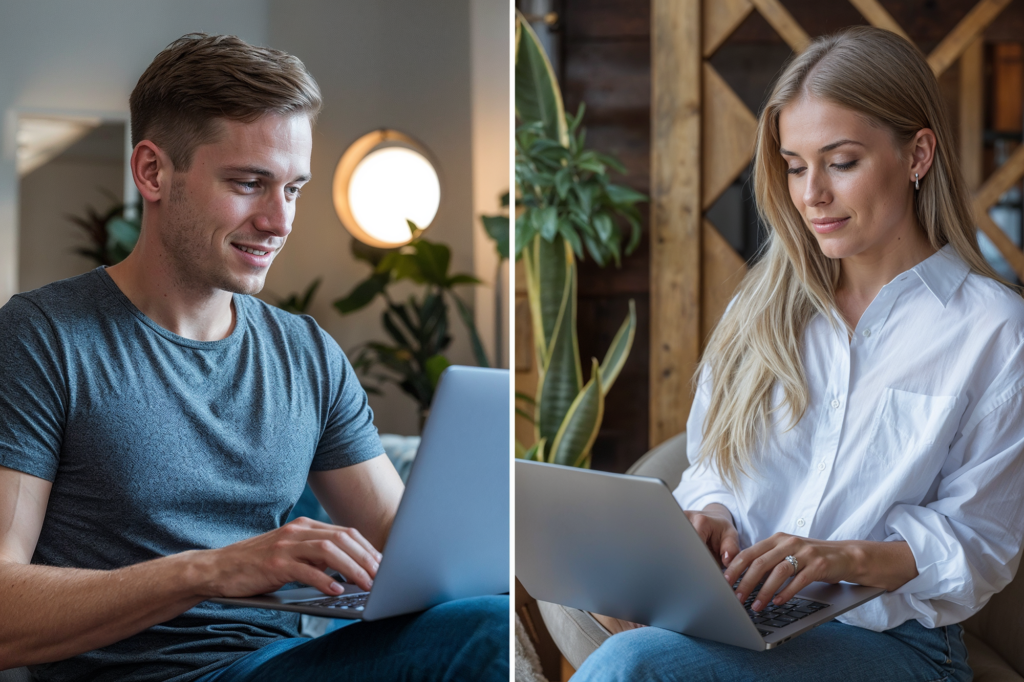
{"points": [[881, 564]]}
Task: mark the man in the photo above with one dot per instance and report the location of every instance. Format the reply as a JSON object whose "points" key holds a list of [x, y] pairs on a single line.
{"points": [[157, 423]]}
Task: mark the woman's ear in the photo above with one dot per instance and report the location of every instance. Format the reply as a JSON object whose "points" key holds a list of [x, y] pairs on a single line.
{"points": [[151, 170], [922, 153]]}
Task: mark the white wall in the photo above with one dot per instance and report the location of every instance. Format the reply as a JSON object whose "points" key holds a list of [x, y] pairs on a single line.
{"points": [[403, 64], [85, 57]]}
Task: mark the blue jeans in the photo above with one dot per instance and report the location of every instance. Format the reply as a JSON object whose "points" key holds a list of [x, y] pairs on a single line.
{"points": [[461, 640], [834, 651]]}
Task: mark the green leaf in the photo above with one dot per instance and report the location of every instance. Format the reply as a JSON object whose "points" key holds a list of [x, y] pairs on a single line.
{"points": [[524, 414], [497, 229], [433, 259], [368, 254], [474, 338], [561, 378], [596, 250], [435, 365], [569, 234], [619, 349], [461, 279], [604, 226], [547, 219], [524, 233], [563, 181], [122, 234], [634, 235], [619, 195], [525, 398], [552, 280], [577, 432], [537, 95], [364, 292]]}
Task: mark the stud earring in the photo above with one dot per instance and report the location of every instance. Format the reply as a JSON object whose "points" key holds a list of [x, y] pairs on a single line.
{"points": [[917, 183]]}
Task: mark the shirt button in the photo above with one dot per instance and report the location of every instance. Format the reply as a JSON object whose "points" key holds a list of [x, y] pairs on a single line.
{"points": [[800, 522], [821, 466], [867, 332], [835, 404]]}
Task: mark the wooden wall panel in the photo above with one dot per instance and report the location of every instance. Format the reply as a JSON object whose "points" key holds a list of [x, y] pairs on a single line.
{"points": [[675, 211]]}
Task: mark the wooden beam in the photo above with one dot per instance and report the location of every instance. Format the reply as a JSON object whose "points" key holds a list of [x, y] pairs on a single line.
{"points": [[722, 271], [783, 23], [964, 33], [675, 211], [877, 16], [972, 111], [1007, 85], [1013, 255], [721, 17], [1000, 181]]}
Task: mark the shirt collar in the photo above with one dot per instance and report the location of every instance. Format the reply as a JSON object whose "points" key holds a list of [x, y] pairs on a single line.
{"points": [[943, 272]]}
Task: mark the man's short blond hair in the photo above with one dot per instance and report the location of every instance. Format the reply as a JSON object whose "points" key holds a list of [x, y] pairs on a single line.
{"points": [[200, 79]]}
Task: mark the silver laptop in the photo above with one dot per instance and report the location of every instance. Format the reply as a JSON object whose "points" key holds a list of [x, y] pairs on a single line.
{"points": [[621, 546], [450, 538]]}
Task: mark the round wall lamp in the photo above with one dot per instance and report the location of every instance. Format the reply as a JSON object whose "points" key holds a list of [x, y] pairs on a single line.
{"points": [[384, 179]]}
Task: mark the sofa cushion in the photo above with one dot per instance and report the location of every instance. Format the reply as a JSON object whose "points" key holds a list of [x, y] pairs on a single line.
{"points": [[988, 666]]}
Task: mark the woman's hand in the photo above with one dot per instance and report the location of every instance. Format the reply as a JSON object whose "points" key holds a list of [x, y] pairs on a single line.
{"points": [[714, 525], [875, 564]]}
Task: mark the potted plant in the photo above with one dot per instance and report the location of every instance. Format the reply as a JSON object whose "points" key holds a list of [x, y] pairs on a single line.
{"points": [[568, 209], [418, 326]]}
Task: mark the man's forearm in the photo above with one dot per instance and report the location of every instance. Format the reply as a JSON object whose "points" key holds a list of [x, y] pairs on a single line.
{"points": [[50, 614]]}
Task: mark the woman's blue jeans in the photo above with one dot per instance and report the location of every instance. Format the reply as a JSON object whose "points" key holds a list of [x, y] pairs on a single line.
{"points": [[460, 640], [830, 652]]}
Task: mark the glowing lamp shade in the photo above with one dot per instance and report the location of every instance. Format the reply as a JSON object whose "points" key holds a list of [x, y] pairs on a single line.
{"points": [[384, 179]]}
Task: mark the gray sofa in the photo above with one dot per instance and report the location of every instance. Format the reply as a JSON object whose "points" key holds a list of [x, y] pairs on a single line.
{"points": [[994, 636]]}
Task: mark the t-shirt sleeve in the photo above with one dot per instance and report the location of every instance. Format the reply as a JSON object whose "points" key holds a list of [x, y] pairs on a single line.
{"points": [[33, 391], [349, 436]]}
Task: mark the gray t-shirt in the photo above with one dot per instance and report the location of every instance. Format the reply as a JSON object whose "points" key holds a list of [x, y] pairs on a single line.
{"points": [[157, 444]]}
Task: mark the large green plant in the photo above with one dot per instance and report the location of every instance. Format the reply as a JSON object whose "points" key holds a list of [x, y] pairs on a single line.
{"points": [[418, 326], [568, 208]]}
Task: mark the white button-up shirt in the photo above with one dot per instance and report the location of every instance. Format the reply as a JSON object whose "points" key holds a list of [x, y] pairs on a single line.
{"points": [[914, 431]]}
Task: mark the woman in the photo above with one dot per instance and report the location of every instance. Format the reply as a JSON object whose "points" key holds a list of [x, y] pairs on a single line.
{"points": [[859, 410]]}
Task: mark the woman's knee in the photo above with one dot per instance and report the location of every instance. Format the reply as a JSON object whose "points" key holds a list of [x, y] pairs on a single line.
{"points": [[640, 654]]}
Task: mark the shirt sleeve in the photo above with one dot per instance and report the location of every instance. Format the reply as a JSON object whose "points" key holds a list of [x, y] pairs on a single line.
{"points": [[33, 391], [967, 542], [349, 436], [701, 484]]}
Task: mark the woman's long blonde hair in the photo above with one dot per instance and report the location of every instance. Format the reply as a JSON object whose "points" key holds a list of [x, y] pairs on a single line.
{"points": [[758, 341]]}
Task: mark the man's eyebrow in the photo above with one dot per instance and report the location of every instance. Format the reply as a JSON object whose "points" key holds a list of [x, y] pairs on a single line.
{"points": [[826, 148], [263, 172]]}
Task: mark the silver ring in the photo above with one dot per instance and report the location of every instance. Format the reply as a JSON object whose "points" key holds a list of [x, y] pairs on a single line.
{"points": [[794, 563]]}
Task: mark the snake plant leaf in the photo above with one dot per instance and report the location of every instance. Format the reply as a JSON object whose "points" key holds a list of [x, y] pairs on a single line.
{"points": [[562, 377], [579, 428], [538, 97], [617, 353], [553, 261], [521, 451]]}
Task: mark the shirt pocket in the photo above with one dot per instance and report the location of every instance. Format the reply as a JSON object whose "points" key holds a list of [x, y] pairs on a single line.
{"points": [[907, 425]]}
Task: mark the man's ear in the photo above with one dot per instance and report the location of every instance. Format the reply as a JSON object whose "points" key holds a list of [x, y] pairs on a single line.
{"points": [[151, 170]]}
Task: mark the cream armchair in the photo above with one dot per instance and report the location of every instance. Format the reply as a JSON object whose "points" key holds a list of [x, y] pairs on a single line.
{"points": [[994, 636]]}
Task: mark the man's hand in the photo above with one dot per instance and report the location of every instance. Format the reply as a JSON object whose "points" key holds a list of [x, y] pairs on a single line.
{"points": [[714, 525], [298, 551]]}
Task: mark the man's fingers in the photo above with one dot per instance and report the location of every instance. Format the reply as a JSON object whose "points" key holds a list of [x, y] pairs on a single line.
{"points": [[325, 552], [313, 524]]}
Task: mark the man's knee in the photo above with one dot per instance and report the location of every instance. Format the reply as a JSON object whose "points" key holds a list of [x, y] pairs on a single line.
{"points": [[628, 656]]}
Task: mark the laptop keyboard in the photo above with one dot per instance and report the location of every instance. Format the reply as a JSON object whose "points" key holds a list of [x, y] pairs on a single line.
{"points": [[356, 602], [779, 616]]}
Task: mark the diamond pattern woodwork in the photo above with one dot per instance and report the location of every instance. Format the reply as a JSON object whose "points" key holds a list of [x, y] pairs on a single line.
{"points": [[729, 129]]}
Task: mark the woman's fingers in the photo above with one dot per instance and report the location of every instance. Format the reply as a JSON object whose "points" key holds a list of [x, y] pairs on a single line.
{"points": [[730, 546]]}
